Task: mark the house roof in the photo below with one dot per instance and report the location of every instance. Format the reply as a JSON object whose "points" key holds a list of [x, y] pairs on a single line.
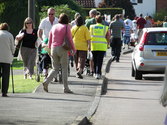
{"points": [[86, 3]]}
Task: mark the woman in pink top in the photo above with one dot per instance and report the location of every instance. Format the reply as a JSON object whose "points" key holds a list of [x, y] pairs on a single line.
{"points": [[58, 53]]}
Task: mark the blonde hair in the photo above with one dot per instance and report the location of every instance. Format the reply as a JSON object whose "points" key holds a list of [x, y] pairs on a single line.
{"points": [[28, 19]]}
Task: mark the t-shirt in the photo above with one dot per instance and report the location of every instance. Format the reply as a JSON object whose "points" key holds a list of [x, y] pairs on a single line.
{"points": [[46, 26], [43, 51], [29, 40], [89, 22], [116, 27], [80, 36], [140, 23], [127, 30]]}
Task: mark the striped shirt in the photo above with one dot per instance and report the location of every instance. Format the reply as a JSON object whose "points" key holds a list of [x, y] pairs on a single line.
{"points": [[127, 30]]}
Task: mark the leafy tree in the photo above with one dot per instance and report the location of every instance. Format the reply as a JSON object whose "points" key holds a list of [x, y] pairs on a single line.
{"points": [[125, 4], [59, 9]]}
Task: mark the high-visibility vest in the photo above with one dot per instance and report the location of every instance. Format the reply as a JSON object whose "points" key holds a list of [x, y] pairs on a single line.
{"points": [[98, 37]]}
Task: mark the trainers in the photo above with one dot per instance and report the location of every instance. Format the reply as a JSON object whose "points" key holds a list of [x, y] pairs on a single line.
{"points": [[4, 95], [79, 75], [98, 76], [25, 76], [45, 87], [67, 91]]}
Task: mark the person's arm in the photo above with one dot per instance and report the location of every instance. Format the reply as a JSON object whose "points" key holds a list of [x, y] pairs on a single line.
{"points": [[40, 32]]}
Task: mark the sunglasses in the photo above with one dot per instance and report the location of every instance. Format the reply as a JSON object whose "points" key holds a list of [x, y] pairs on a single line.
{"points": [[51, 14], [29, 23]]}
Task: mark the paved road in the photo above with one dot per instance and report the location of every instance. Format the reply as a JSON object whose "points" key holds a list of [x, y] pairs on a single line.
{"points": [[55, 107], [129, 101]]}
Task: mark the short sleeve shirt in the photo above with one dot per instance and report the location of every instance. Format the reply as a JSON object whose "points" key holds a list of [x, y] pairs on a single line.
{"points": [[116, 27], [80, 37], [46, 26]]}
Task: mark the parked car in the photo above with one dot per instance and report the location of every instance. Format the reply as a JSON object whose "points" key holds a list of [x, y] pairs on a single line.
{"points": [[150, 54]]}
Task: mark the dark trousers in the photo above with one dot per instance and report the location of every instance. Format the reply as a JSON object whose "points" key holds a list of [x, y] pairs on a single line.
{"points": [[5, 73], [98, 61], [116, 47]]}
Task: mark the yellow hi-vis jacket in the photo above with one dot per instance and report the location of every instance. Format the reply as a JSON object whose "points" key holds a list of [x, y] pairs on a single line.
{"points": [[98, 37]]}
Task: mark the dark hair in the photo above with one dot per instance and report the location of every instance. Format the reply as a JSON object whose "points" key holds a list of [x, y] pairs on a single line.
{"points": [[4, 26], [99, 19], [63, 18], [79, 21]]}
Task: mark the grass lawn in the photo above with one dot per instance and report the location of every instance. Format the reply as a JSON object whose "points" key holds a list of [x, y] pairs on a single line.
{"points": [[17, 64], [22, 85]]}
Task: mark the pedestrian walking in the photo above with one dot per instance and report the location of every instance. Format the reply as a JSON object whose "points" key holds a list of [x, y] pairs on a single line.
{"points": [[127, 35], [81, 38], [116, 28], [99, 43], [7, 50], [59, 55], [28, 50], [73, 23], [43, 33], [88, 22], [140, 23]]}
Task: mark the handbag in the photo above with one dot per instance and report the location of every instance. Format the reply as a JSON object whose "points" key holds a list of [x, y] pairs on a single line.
{"points": [[66, 44]]}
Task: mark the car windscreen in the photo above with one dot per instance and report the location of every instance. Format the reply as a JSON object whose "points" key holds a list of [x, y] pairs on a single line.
{"points": [[156, 38]]}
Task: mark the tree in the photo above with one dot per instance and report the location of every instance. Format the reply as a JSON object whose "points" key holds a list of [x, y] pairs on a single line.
{"points": [[125, 4]]}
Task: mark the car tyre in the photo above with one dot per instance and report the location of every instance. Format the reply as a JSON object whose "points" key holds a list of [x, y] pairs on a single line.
{"points": [[133, 72], [138, 75]]}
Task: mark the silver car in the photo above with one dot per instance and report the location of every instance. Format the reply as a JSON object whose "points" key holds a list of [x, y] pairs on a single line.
{"points": [[150, 53]]}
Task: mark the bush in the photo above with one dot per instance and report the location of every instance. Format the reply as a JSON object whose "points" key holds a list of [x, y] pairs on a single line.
{"points": [[159, 16], [59, 9]]}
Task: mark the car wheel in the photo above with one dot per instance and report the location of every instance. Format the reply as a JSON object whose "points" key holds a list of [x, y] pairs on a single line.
{"points": [[133, 72], [138, 75]]}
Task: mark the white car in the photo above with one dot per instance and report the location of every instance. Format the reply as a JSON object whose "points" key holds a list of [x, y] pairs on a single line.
{"points": [[150, 53]]}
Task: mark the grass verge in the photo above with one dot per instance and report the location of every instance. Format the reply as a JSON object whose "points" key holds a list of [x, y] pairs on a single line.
{"points": [[22, 85]]}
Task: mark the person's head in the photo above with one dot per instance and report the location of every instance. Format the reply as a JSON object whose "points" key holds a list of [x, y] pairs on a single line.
{"points": [[99, 19], [27, 23], [79, 21], [4, 26], [93, 13], [141, 15], [51, 13], [76, 15], [63, 18]]}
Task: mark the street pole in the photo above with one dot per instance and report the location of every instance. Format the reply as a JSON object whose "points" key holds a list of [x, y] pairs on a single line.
{"points": [[31, 9]]}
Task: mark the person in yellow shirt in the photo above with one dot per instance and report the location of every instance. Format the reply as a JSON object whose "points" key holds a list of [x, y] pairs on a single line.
{"points": [[100, 36], [81, 38]]}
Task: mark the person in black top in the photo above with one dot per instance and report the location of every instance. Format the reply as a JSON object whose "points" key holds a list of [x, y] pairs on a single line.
{"points": [[28, 50]]}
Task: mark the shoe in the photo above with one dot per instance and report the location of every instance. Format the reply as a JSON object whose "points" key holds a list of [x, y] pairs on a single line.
{"points": [[45, 87], [4, 95], [91, 73], [117, 60], [72, 64], [94, 75], [67, 91], [25, 76], [79, 75], [98, 76]]}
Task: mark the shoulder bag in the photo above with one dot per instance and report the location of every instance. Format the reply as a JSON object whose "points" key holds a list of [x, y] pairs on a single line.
{"points": [[66, 44]]}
